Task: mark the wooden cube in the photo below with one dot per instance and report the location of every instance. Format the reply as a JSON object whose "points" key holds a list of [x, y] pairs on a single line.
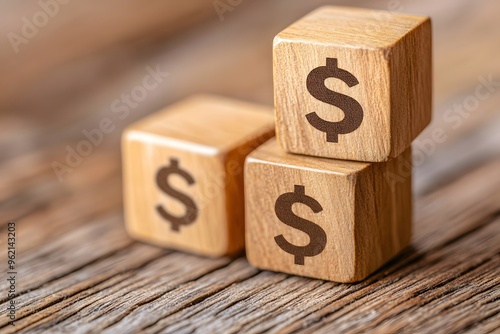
{"points": [[352, 84], [183, 173], [329, 219]]}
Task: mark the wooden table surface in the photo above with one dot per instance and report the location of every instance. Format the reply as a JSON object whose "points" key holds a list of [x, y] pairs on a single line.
{"points": [[79, 272]]}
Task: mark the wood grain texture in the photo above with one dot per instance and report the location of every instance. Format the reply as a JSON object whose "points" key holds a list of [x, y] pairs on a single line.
{"points": [[81, 273], [183, 173], [446, 280], [389, 56], [364, 218]]}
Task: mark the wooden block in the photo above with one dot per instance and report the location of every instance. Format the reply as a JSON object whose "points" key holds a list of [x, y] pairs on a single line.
{"points": [[330, 219], [183, 173], [352, 83]]}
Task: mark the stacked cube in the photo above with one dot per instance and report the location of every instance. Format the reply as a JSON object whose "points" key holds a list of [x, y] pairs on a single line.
{"points": [[352, 90], [353, 85]]}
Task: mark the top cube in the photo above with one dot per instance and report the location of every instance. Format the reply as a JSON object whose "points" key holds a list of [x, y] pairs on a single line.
{"points": [[352, 84]]}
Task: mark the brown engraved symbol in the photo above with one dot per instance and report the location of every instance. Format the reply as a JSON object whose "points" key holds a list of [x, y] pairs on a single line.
{"points": [[353, 112], [191, 208], [317, 236]]}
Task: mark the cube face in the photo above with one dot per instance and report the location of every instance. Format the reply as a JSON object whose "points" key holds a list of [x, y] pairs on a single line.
{"points": [[326, 131], [352, 84], [327, 219], [183, 187], [167, 195]]}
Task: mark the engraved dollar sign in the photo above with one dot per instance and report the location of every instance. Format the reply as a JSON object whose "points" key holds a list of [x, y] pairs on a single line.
{"points": [[191, 208], [353, 112], [317, 236]]}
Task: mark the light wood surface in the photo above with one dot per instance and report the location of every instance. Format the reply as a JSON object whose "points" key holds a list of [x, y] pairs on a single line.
{"points": [[360, 217], [82, 273], [183, 173], [373, 111], [76, 31]]}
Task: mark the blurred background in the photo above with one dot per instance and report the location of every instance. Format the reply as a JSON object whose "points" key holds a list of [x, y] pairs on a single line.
{"points": [[67, 64]]}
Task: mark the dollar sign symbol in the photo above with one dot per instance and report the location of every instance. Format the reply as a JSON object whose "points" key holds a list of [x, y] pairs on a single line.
{"points": [[191, 208], [353, 112], [317, 236]]}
